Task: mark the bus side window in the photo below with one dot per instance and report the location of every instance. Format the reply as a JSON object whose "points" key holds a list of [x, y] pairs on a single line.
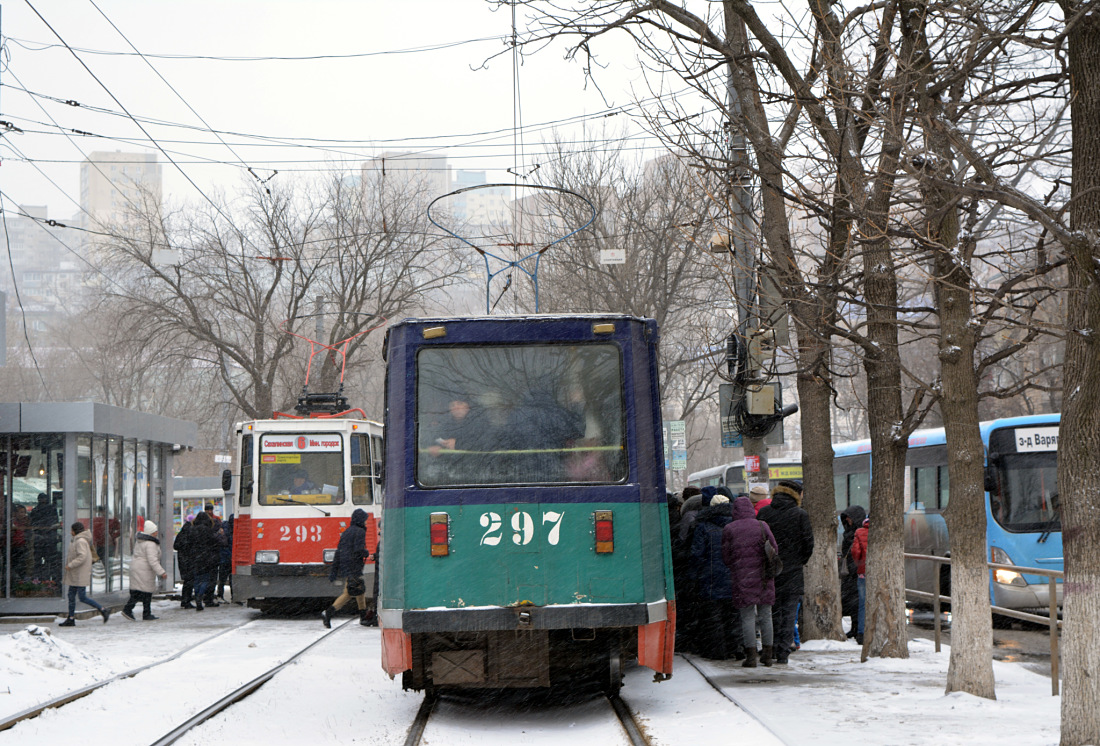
{"points": [[361, 492]]}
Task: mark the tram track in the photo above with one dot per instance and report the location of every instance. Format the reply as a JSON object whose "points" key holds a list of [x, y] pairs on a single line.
{"points": [[240, 693], [218, 706], [634, 733], [76, 694]]}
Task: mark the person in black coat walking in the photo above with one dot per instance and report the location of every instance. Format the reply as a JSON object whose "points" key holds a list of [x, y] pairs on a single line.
{"points": [[851, 519], [790, 526], [205, 556], [351, 552], [182, 545]]}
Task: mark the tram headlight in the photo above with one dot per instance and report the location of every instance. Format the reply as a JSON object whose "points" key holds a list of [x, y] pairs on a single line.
{"points": [[267, 557], [1006, 577], [329, 555]]}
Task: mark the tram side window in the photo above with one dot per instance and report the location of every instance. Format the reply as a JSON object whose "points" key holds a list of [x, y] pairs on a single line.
{"points": [[361, 466], [246, 482]]}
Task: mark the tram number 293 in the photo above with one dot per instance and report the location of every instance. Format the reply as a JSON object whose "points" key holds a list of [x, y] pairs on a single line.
{"points": [[301, 534], [523, 528]]}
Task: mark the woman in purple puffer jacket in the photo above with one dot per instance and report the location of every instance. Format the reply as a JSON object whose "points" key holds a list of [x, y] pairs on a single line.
{"points": [[753, 594]]}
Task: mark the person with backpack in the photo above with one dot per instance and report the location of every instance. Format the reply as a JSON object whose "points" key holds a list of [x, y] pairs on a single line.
{"points": [[753, 592], [790, 525]]}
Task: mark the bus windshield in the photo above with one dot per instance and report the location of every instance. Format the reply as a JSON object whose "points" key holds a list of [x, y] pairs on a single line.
{"points": [[1027, 492], [510, 414], [301, 469]]}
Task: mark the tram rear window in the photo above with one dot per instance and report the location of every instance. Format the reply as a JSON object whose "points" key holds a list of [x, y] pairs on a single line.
{"points": [[535, 414], [298, 469]]}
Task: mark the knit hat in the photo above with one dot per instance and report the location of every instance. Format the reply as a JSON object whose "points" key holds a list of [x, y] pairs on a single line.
{"points": [[150, 528], [719, 500], [758, 492]]}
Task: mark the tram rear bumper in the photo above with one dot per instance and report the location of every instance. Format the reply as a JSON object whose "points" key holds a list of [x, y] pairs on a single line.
{"points": [[291, 581], [486, 619]]}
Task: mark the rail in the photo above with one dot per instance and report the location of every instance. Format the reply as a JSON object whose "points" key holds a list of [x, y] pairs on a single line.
{"points": [[1052, 620]]}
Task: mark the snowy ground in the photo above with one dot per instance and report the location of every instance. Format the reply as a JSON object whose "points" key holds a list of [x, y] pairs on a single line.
{"points": [[338, 693]]}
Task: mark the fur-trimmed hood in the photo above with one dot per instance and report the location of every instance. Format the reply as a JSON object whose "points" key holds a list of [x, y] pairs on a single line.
{"points": [[783, 490]]}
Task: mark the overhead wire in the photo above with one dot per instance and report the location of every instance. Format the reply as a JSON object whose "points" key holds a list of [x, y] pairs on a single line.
{"points": [[178, 94], [42, 47], [114, 98]]}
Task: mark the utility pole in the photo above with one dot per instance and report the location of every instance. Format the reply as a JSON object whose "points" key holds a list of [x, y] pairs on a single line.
{"points": [[741, 240]]}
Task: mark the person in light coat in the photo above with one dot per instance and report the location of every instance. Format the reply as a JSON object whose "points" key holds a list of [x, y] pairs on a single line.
{"points": [[78, 573], [145, 568]]}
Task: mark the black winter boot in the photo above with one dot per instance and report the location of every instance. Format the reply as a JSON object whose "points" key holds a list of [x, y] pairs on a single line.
{"points": [[326, 617], [363, 617], [750, 658], [766, 655]]}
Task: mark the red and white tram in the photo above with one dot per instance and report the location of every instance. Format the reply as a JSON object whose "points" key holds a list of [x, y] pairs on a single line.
{"points": [[301, 477], [300, 480]]}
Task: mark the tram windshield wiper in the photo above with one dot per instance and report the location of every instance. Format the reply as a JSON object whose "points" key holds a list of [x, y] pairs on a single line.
{"points": [[282, 499]]}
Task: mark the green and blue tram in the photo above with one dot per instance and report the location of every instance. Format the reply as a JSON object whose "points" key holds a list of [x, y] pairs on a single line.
{"points": [[525, 537]]}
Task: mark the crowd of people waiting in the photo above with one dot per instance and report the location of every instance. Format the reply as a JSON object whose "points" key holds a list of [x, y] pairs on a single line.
{"points": [[725, 593]]}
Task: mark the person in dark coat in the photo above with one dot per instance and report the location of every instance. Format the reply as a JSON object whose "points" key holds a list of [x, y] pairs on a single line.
{"points": [[219, 532], [205, 556], [752, 594], [850, 519], [44, 524], [718, 634], [182, 545], [225, 559], [351, 552], [681, 574], [790, 525]]}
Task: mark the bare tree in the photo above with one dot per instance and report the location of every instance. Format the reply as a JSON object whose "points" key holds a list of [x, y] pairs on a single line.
{"points": [[227, 281]]}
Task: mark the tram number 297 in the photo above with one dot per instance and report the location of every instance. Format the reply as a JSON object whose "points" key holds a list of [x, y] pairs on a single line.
{"points": [[523, 528], [300, 534]]}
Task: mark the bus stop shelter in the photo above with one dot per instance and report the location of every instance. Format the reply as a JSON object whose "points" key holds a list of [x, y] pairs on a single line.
{"points": [[62, 462]]}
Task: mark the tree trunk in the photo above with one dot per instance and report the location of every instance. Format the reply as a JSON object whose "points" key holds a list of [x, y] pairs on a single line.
{"points": [[821, 605], [971, 666], [1079, 435]]}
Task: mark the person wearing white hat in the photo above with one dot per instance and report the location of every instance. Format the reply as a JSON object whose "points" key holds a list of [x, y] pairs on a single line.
{"points": [[145, 567]]}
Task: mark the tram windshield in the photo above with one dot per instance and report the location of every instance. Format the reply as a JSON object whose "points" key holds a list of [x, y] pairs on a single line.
{"points": [[510, 414], [1026, 498], [301, 469]]}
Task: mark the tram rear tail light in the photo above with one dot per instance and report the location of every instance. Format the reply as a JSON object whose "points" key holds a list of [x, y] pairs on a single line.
{"points": [[605, 532], [438, 524]]}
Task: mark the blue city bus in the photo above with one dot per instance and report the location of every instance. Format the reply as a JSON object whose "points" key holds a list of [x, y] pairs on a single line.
{"points": [[1023, 526], [525, 538]]}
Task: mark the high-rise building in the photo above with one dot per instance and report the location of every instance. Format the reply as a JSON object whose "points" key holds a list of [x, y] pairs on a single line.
{"points": [[113, 185]]}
